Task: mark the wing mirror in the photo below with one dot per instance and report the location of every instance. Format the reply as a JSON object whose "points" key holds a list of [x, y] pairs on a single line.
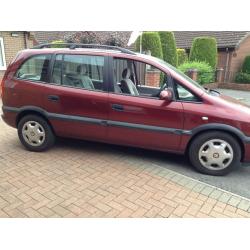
{"points": [[166, 95]]}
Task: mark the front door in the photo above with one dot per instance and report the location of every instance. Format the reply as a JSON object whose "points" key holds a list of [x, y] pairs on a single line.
{"points": [[140, 118]]}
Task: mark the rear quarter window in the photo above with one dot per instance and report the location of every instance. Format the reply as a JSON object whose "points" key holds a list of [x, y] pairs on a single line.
{"points": [[35, 68]]}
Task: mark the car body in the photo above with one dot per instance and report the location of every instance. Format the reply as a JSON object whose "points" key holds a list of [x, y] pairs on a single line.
{"points": [[178, 116]]}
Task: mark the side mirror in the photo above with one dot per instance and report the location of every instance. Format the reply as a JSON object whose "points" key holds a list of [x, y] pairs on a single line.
{"points": [[166, 95]]}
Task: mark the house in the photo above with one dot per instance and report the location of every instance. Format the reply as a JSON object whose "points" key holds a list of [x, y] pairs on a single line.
{"points": [[233, 47], [10, 43]]}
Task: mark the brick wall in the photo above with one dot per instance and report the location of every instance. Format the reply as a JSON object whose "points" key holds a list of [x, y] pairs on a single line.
{"points": [[239, 55], [152, 78], [12, 45]]}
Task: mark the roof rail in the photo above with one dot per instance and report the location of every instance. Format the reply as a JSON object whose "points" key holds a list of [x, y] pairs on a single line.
{"points": [[82, 45]]}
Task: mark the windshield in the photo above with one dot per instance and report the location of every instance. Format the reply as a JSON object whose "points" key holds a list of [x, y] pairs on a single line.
{"points": [[179, 72]]}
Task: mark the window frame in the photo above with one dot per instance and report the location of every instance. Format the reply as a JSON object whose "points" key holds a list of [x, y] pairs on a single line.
{"points": [[28, 58], [105, 71], [4, 67], [111, 81]]}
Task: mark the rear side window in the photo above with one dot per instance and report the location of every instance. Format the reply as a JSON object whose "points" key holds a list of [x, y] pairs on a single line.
{"points": [[79, 71], [35, 68]]}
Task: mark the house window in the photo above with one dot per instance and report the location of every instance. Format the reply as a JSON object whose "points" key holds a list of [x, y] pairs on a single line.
{"points": [[2, 55]]}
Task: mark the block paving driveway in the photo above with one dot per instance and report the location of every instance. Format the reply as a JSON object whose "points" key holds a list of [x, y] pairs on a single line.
{"points": [[85, 179]]}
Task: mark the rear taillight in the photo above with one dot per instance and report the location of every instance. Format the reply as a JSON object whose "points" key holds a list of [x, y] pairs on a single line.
{"points": [[1, 88]]}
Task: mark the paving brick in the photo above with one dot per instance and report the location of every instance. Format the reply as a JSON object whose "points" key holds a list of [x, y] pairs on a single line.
{"points": [[76, 180], [234, 201], [225, 197]]}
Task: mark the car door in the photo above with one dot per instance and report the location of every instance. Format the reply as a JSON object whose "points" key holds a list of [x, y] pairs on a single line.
{"points": [[143, 120], [76, 98]]}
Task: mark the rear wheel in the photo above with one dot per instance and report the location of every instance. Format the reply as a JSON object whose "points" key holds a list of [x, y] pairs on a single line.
{"points": [[35, 133], [215, 153]]}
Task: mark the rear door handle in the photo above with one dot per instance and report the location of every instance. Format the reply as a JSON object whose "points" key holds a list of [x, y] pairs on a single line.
{"points": [[53, 98], [117, 107]]}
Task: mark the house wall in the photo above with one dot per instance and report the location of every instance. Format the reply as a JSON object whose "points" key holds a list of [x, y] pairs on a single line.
{"points": [[238, 57], [12, 45]]}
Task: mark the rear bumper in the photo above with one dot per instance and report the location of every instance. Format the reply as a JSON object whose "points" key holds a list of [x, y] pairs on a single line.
{"points": [[9, 118]]}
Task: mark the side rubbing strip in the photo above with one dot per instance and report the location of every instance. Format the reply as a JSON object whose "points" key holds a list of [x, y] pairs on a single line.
{"points": [[99, 121]]}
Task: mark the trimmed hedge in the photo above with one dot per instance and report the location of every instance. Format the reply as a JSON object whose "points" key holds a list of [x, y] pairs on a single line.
{"points": [[58, 44], [246, 65], [242, 77], [182, 56], [204, 49], [168, 45], [150, 41], [205, 71]]}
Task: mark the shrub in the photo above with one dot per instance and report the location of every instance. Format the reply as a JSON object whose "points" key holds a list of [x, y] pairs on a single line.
{"points": [[205, 71], [242, 77], [150, 41], [204, 49], [182, 56], [246, 65], [168, 47], [58, 44]]}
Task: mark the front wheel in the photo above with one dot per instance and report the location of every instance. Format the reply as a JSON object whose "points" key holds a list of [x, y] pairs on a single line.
{"points": [[215, 153], [35, 133]]}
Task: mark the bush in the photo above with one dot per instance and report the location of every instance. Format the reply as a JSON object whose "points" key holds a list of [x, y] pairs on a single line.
{"points": [[204, 49], [242, 77], [205, 71], [58, 44], [246, 65], [150, 41], [168, 47], [182, 56]]}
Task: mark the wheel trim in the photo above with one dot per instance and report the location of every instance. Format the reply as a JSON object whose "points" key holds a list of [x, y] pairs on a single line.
{"points": [[33, 133], [216, 154]]}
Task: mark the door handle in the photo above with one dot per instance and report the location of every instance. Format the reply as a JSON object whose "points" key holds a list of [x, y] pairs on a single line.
{"points": [[117, 107], [53, 98]]}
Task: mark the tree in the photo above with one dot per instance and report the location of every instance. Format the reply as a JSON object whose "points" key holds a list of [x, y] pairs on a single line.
{"points": [[150, 42], [204, 49], [168, 47], [182, 56]]}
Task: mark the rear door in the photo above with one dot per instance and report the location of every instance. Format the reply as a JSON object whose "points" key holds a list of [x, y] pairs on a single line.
{"points": [[76, 98]]}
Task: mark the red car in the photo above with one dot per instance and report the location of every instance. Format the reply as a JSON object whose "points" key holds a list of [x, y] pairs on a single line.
{"points": [[113, 95]]}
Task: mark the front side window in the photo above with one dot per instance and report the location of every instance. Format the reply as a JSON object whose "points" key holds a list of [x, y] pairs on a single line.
{"points": [[35, 68], [183, 94], [137, 78], [79, 71], [2, 55]]}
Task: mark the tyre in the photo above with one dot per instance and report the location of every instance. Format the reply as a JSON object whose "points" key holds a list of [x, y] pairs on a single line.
{"points": [[35, 133], [215, 153]]}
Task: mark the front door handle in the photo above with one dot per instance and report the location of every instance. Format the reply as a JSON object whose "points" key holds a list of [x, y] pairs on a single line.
{"points": [[53, 98], [117, 107]]}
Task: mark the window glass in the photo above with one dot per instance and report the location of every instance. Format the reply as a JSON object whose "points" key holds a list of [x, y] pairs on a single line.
{"points": [[35, 68], [80, 71], [184, 94], [137, 78], [2, 59]]}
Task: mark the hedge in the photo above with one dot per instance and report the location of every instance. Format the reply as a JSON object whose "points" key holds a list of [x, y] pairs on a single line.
{"points": [[168, 47], [150, 41], [205, 71], [204, 49], [242, 77], [182, 56], [246, 65], [58, 44]]}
